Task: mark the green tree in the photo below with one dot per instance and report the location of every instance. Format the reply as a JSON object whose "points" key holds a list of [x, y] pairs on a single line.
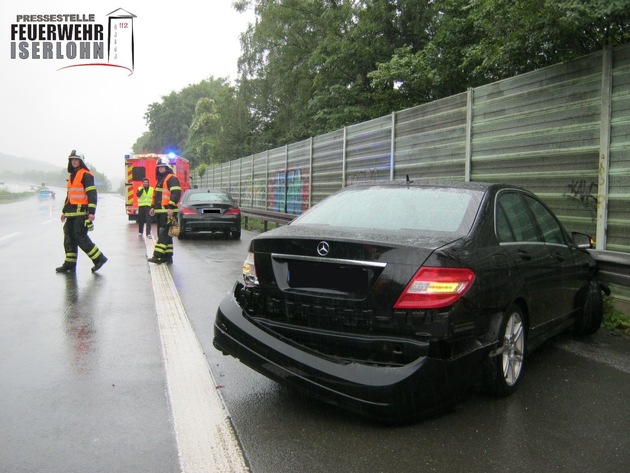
{"points": [[201, 169], [308, 67], [204, 133], [375, 30], [277, 73], [477, 42], [305, 64], [169, 121], [143, 143]]}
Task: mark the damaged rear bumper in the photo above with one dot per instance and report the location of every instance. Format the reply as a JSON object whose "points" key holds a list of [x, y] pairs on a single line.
{"points": [[387, 393]]}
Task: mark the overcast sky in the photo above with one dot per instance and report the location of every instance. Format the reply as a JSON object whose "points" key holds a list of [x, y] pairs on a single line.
{"points": [[46, 112]]}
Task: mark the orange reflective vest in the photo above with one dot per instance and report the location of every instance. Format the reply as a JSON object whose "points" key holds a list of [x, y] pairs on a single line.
{"points": [[166, 191], [77, 194]]}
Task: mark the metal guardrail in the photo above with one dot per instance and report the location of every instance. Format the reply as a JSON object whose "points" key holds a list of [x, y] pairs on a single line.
{"points": [[267, 216], [614, 267]]}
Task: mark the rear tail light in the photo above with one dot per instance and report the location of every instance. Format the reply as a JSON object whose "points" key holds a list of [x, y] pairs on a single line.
{"points": [[432, 288], [187, 211], [233, 211], [249, 270]]}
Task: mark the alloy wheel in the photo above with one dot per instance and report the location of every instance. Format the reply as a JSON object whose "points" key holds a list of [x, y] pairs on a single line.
{"points": [[513, 349]]}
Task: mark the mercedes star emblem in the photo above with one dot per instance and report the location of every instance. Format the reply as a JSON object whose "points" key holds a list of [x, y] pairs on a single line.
{"points": [[323, 248]]}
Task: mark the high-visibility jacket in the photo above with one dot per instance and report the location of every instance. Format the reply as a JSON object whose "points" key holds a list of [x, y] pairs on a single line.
{"points": [[77, 197], [145, 196], [77, 194], [166, 193]]}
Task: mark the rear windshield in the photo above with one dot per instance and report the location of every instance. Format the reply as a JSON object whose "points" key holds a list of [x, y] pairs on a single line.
{"points": [[416, 209], [209, 197]]}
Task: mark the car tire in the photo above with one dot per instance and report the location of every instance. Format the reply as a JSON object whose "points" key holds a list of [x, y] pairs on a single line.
{"points": [[236, 235], [503, 369], [592, 313], [182, 232]]}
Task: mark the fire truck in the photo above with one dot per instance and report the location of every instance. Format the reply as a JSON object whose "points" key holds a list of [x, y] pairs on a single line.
{"points": [[139, 166]]}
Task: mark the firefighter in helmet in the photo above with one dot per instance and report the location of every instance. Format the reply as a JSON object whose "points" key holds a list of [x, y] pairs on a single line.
{"points": [[165, 201], [78, 214]]}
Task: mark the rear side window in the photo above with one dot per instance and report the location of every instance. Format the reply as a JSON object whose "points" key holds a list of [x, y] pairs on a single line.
{"points": [[439, 210], [513, 220], [549, 226]]}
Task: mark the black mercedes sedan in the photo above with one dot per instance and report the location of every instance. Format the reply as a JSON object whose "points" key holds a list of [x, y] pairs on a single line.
{"points": [[208, 210], [394, 299]]}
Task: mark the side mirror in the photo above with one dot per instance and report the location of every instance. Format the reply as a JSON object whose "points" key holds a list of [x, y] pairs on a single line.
{"points": [[582, 240]]}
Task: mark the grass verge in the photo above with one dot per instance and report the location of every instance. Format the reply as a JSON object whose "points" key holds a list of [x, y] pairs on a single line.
{"points": [[614, 319], [257, 225], [6, 197]]}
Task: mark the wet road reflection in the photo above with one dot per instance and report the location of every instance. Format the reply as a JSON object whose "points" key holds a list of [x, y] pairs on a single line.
{"points": [[80, 330]]}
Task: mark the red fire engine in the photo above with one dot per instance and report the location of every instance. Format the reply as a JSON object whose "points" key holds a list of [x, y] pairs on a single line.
{"points": [[139, 166]]}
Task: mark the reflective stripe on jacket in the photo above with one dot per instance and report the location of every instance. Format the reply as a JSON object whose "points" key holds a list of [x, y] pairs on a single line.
{"points": [[78, 202], [77, 194], [165, 192]]}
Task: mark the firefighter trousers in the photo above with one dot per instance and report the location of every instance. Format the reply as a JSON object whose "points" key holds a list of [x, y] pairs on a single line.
{"points": [[75, 236], [163, 249]]}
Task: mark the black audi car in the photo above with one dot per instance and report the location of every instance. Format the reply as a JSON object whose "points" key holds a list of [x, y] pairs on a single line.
{"points": [[394, 299]]}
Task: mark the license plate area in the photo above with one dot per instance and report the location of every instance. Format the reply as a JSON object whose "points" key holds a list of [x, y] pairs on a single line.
{"points": [[210, 211], [327, 277]]}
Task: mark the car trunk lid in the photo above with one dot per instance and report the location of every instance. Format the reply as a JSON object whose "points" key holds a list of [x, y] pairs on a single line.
{"points": [[352, 269], [341, 294]]}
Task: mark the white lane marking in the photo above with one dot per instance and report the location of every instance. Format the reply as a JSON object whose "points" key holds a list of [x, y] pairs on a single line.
{"points": [[9, 236], [205, 437]]}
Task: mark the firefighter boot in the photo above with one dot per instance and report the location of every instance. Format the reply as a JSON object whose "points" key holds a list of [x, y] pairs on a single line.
{"points": [[99, 262], [66, 268], [155, 260]]}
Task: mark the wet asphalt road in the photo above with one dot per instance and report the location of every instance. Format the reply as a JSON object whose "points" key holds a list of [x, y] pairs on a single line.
{"points": [[83, 385]]}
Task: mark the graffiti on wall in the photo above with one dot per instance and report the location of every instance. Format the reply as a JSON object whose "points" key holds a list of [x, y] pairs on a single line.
{"points": [[584, 193], [296, 183], [363, 175], [291, 182]]}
